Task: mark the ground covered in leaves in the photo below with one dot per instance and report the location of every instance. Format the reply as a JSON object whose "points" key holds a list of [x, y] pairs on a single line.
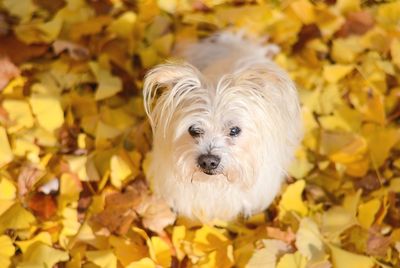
{"points": [[74, 143]]}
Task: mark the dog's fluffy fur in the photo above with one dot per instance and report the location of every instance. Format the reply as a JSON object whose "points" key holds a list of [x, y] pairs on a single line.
{"points": [[225, 81]]}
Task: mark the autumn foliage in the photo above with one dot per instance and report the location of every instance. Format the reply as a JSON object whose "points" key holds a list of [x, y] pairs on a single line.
{"points": [[75, 144]]}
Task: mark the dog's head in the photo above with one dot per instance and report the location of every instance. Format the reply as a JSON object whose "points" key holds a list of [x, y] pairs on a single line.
{"points": [[223, 131]]}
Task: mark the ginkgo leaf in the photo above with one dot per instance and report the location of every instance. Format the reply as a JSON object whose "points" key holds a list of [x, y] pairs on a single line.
{"points": [[16, 217], [39, 254], [7, 189], [345, 259], [6, 154], [6, 250], [267, 256], [102, 258], [41, 105], [108, 85], [308, 239], [292, 200]]}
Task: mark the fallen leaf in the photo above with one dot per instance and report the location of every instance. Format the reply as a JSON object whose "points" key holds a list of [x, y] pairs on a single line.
{"points": [[75, 51], [309, 240], [291, 200], [102, 258], [356, 23], [7, 71], [42, 255], [6, 155], [16, 217], [268, 256], [108, 85], [345, 259], [7, 250], [43, 205]]}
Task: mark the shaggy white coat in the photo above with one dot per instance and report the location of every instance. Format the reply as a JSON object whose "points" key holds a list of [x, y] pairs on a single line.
{"points": [[224, 81]]}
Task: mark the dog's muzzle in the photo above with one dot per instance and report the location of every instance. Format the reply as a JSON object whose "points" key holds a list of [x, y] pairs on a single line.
{"points": [[209, 163]]}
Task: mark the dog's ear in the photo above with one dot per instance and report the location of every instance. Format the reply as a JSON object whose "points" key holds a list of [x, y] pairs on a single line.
{"points": [[171, 82]]}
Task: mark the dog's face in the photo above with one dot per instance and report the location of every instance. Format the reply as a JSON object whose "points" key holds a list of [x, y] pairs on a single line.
{"points": [[211, 132]]}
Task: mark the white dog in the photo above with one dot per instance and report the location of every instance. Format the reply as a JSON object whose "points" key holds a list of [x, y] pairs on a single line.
{"points": [[225, 125]]}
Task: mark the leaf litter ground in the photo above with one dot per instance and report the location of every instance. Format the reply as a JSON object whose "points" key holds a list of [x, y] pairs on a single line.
{"points": [[74, 142]]}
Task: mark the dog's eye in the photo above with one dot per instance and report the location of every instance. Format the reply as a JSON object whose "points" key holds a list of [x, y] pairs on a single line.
{"points": [[234, 131], [195, 132]]}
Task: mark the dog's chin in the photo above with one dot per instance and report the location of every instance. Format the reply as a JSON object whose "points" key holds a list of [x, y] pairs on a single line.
{"points": [[211, 172], [208, 175]]}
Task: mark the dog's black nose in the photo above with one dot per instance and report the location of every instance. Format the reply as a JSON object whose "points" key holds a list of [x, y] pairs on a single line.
{"points": [[208, 161]]}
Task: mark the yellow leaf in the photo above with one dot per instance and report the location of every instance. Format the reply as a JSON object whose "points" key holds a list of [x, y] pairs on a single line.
{"points": [[77, 164], [143, 263], [127, 251], [292, 200], [43, 237], [23, 9], [168, 5], [70, 188], [39, 32], [120, 170], [70, 225], [295, 260], [124, 25], [7, 190], [178, 236], [102, 258], [395, 185], [300, 165], [304, 10], [389, 14], [6, 250], [395, 51], [6, 155], [308, 239], [89, 26], [267, 256], [16, 217], [148, 57], [346, 50], [387, 137], [345, 259], [48, 111], [346, 6], [334, 73], [161, 252], [42, 255], [367, 212], [351, 152], [336, 220], [19, 113], [108, 84]]}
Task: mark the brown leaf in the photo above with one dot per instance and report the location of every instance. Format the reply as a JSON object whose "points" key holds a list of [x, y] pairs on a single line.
{"points": [[18, 51], [68, 136], [50, 5], [119, 211], [7, 71], [27, 179], [276, 233], [356, 23], [393, 215], [75, 51], [377, 244], [4, 25], [368, 183], [307, 33], [122, 209], [156, 214], [42, 205]]}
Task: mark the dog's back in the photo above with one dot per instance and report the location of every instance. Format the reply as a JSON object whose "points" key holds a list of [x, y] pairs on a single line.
{"points": [[224, 53]]}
